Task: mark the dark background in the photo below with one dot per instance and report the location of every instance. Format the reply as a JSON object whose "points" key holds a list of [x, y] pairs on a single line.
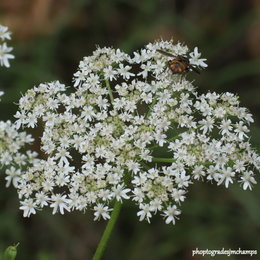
{"points": [[51, 37]]}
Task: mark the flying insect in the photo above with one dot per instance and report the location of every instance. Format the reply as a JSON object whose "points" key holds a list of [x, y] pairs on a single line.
{"points": [[179, 63]]}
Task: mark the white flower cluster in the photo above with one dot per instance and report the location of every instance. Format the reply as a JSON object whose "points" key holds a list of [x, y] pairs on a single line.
{"points": [[13, 156], [99, 142], [4, 49]]}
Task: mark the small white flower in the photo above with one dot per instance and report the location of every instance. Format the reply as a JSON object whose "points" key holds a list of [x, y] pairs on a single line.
{"points": [[178, 195], [5, 55], [79, 77], [140, 57], [119, 192], [145, 212], [60, 203], [110, 73], [124, 71], [4, 33], [101, 211], [241, 129], [225, 126], [198, 172], [207, 125], [171, 214], [31, 120], [13, 176], [182, 180], [195, 59], [41, 199], [28, 207], [226, 175], [247, 180]]}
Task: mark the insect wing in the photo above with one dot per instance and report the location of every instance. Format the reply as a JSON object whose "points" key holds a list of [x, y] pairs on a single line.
{"points": [[195, 69], [183, 59], [166, 53]]}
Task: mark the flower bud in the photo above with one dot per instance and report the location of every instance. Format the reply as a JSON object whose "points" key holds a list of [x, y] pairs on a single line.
{"points": [[10, 252]]}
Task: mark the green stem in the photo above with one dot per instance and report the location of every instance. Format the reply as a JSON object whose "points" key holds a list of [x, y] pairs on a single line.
{"points": [[171, 160], [109, 91], [150, 108], [145, 166], [108, 230], [166, 160], [169, 140]]}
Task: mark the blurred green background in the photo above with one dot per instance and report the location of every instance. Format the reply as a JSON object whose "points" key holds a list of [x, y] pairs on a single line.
{"points": [[50, 37]]}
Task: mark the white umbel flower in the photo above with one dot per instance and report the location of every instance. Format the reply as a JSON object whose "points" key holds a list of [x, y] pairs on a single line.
{"points": [[100, 138], [5, 55]]}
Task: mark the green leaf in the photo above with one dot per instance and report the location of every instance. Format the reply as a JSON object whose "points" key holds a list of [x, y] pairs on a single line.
{"points": [[10, 252]]}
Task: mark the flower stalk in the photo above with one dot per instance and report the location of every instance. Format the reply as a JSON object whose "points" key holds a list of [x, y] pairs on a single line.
{"points": [[163, 160], [107, 233], [109, 91]]}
